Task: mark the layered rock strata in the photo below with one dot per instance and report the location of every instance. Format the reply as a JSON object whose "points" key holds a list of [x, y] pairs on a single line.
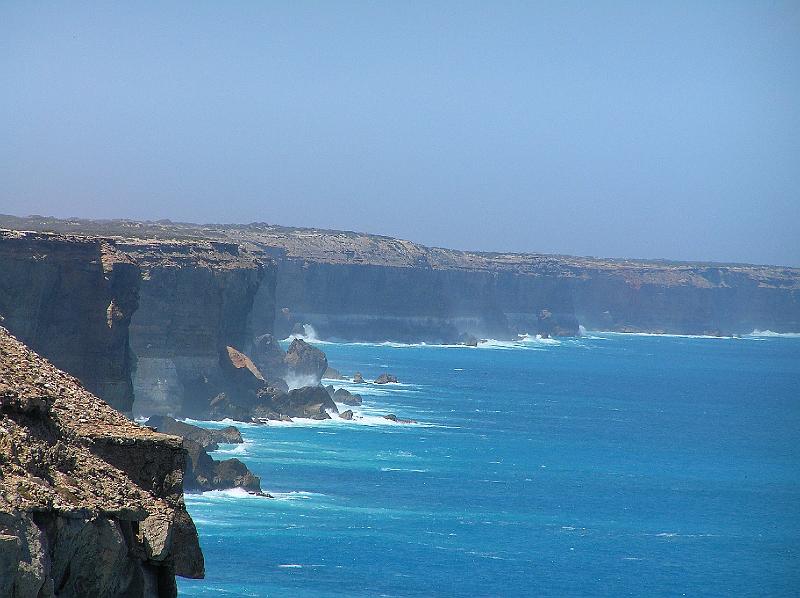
{"points": [[368, 287], [196, 299], [91, 503], [71, 299]]}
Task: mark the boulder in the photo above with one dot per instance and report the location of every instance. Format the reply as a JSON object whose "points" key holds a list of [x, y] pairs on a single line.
{"points": [[358, 378], [304, 361], [204, 473], [557, 324], [346, 414], [330, 389], [240, 370], [269, 357], [222, 407], [399, 420], [310, 401], [467, 340], [385, 379], [342, 395], [227, 435], [332, 374]]}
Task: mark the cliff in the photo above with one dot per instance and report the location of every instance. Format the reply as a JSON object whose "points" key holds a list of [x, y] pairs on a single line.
{"points": [[358, 286], [91, 504], [71, 299], [196, 298]]}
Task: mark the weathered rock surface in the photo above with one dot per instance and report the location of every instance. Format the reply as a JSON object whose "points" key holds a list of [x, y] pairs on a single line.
{"points": [[399, 420], [332, 374], [386, 379], [71, 299], [227, 435], [304, 363], [173, 427], [202, 471], [550, 324], [91, 504], [269, 357], [342, 395], [310, 401], [347, 414]]}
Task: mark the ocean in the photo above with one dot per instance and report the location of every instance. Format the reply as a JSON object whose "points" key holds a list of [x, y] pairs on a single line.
{"points": [[606, 465]]}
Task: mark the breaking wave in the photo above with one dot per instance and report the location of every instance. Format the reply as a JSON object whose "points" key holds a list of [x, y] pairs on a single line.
{"points": [[770, 334]]}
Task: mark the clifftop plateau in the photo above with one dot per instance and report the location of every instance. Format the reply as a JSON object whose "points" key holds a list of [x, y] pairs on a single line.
{"points": [[348, 247]]}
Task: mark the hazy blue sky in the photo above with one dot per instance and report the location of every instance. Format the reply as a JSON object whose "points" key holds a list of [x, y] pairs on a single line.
{"points": [[646, 129]]}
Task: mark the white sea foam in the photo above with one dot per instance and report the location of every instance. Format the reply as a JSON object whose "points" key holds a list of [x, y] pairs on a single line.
{"points": [[296, 495], [404, 469], [661, 335], [294, 381], [219, 424], [237, 449], [309, 334], [221, 495], [770, 334]]}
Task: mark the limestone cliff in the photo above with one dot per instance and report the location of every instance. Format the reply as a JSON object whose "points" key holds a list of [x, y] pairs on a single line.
{"points": [[195, 299], [71, 299], [359, 286], [91, 504]]}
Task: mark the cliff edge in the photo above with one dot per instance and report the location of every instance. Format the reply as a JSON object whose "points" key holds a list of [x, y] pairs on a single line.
{"points": [[91, 503], [71, 298]]}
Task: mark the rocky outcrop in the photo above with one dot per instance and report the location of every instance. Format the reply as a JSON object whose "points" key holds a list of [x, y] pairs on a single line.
{"points": [[91, 504], [269, 357], [208, 439], [386, 379], [332, 374], [202, 471], [227, 435], [367, 287], [310, 401], [550, 324], [342, 395], [71, 299], [305, 364]]}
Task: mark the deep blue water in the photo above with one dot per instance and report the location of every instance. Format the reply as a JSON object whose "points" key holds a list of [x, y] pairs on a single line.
{"points": [[609, 465]]}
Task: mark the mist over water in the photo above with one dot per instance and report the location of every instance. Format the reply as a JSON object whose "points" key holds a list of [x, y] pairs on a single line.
{"points": [[603, 465]]}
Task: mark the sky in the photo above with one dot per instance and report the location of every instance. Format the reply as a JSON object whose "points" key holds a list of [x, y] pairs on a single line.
{"points": [[620, 129]]}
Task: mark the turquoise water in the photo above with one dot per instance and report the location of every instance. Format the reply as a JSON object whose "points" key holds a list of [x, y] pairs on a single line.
{"points": [[606, 465]]}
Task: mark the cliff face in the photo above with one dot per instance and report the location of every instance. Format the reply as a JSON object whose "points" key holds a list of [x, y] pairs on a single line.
{"points": [[196, 298], [71, 299], [358, 286], [90, 504]]}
